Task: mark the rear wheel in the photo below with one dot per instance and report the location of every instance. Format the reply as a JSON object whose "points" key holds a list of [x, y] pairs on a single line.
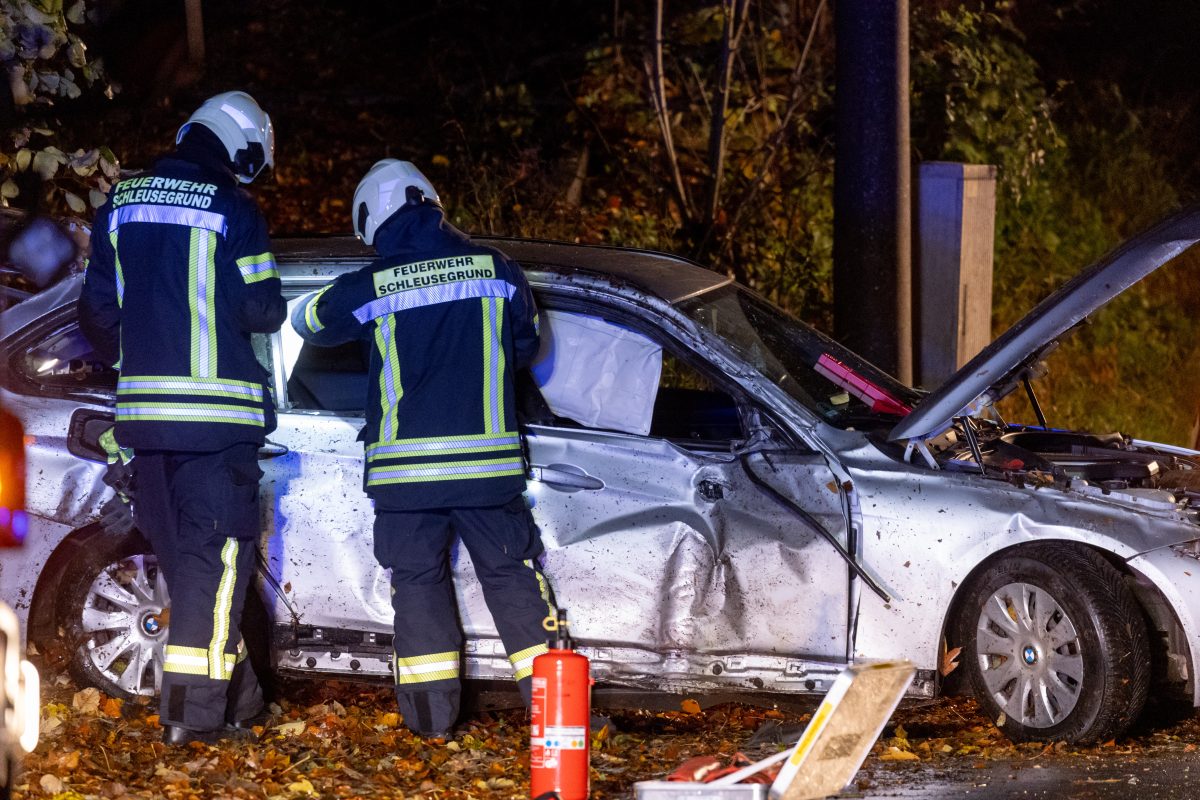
{"points": [[1055, 645], [115, 612]]}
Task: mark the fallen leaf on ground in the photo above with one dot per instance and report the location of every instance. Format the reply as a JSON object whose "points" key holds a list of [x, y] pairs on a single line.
{"points": [[291, 728], [690, 706], [51, 784], [896, 754], [302, 786], [86, 701]]}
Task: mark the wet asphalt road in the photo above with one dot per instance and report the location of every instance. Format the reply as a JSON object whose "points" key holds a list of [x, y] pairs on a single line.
{"points": [[1145, 775]]}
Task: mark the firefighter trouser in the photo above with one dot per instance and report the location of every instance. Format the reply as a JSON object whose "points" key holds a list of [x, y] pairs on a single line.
{"points": [[503, 543], [199, 512]]}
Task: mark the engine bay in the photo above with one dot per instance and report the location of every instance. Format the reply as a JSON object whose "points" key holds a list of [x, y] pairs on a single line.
{"points": [[1103, 463]]}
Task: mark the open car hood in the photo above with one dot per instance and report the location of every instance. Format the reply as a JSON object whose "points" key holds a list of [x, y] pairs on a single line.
{"points": [[998, 368]]}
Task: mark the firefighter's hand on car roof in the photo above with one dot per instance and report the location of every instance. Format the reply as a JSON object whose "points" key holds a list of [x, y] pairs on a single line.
{"points": [[116, 516]]}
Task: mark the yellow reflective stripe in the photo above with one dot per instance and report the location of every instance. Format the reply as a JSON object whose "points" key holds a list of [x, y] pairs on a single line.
{"points": [[118, 276], [198, 665], [429, 677], [522, 660], [254, 261], [390, 388], [543, 586], [310, 311], [208, 247], [426, 668], [493, 364], [429, 658], [444, 471], [186, 660], [169, 385], [433, 447], [192, 380], [500, 438], [201, 292], [191, 412], [218, 669], [257, 268]]}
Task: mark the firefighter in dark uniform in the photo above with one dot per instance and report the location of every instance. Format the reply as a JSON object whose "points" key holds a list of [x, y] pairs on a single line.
{"points": [[448, 323], [180, 275]]}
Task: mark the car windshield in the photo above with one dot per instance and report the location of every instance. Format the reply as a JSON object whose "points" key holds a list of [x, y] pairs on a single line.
{"points": [[825, 377]]}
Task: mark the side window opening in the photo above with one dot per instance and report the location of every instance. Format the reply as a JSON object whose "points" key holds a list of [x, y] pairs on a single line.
{"points": [[65, 360], [691, 408], [681, 404], [330, 378]]}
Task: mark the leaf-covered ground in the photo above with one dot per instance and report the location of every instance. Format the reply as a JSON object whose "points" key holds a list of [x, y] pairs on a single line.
{"points": [[342, 740]]}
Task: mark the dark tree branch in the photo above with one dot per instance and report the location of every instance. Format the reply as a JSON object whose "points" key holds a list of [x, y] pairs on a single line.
{"points": [[735, 25], [776, 143], [658, 93]]}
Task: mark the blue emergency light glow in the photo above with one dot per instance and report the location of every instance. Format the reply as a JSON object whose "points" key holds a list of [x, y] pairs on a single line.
{"points": [[20, 525], [14, 526]]}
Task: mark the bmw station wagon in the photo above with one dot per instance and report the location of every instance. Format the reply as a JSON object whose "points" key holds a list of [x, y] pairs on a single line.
{"points": [[731, 503]]}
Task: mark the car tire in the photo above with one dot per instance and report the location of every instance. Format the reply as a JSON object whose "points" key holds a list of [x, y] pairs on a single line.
{"points": [[112, 614], [1055, 645]]}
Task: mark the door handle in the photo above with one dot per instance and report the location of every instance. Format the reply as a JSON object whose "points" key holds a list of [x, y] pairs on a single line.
{"points": [[272, 450], [565, 476]]}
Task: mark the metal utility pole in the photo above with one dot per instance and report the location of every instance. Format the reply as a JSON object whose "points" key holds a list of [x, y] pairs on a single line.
{"points": [[872, 218]]}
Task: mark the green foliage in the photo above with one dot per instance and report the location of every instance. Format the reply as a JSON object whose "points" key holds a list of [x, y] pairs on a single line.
{"points": [[773, 227], [977, 96], [46, 60], [1077, 176]]}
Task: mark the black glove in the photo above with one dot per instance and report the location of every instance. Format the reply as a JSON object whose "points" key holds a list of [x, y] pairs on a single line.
{"points": [[116, 515], [119, 475]]}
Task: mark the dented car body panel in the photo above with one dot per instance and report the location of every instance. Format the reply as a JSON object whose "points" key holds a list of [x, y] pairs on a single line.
{"points": [[763, 534]]}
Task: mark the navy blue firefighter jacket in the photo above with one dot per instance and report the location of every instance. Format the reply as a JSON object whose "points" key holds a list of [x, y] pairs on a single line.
{"points": [[179, 275], [448, 323]]}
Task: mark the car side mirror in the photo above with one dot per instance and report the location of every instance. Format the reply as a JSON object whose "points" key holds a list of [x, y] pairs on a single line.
{"points": [[84, 432]]}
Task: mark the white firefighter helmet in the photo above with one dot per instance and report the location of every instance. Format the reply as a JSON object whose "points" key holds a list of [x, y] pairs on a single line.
{"points": [[386, 188], [242, 126]]}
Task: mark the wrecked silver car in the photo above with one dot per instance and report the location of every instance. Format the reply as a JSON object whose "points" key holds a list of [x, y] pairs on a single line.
{"points": [[730, 503]]}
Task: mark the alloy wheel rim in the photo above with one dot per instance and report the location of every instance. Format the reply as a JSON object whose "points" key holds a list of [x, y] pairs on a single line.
{"points": [[1030, 655], [124, 622]]}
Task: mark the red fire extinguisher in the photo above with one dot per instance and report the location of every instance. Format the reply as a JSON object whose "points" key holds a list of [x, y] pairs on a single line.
{"points": [[558, 730]]}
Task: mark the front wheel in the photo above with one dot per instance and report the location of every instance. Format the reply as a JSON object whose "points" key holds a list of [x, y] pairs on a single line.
{"points": [[1055, 645], [115, 612]]}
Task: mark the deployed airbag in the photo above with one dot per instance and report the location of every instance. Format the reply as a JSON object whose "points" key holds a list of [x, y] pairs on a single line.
{"points": [[599, 374]]}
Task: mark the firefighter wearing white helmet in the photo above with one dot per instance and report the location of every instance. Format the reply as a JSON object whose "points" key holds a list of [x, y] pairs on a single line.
{"points": [[242, 127], [449, 322], [179, 276], [385, 189]]}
